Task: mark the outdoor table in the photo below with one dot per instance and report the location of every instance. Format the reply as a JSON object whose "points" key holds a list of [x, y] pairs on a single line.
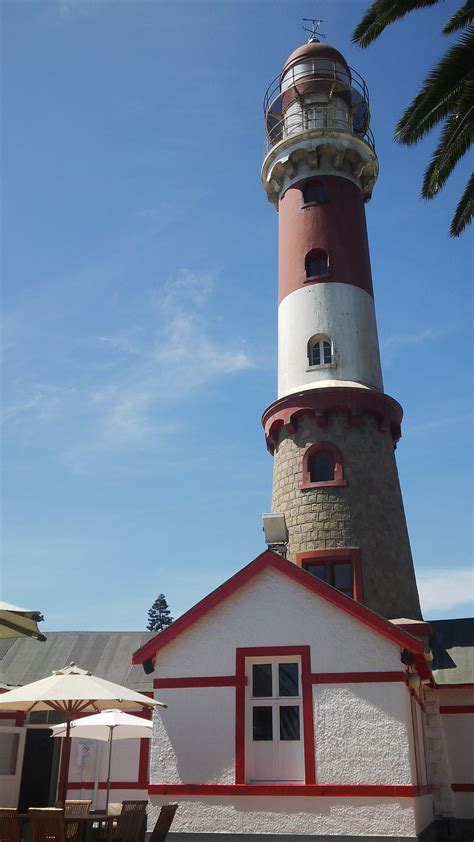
{"points": [[85, 823]]}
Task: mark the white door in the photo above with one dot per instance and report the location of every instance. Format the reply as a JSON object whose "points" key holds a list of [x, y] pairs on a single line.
{"points": [[275, 721]]}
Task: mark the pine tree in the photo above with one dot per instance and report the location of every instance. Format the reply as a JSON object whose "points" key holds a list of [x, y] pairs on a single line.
{"points": [[159, 615]]}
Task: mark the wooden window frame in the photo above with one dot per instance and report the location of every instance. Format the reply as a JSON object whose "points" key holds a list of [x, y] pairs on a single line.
{"points": [[323, 447], [331, 557]]}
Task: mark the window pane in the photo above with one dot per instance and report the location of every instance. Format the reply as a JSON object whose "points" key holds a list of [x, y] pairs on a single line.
{"points": [[262, 724], [327, 352], [343, 577], [318, 570], [321, 467], [316, 354], [262, 680], [288, 680], [313, 192], [290, 722]]}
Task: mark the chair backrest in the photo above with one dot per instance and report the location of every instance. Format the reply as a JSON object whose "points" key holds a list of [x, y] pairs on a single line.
{"points": [[130, 821], [9, 827], [47, 824], [75, 808], [164, 822]]}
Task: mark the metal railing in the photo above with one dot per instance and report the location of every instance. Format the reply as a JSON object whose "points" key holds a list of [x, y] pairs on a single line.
{"points": [[316, 76]]}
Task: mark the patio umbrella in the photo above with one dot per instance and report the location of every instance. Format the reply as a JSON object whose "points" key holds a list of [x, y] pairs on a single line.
{"points": [[71, 691], [19, 622], [109, 725]]}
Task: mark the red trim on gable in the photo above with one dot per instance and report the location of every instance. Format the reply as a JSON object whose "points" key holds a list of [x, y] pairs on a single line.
{"points": [[456, 709], [268, 559], [357, 677], [198, 681], [278, 790]]}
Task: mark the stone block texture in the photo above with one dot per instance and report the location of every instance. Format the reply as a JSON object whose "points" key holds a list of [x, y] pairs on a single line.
{"points": [[367, 513]]}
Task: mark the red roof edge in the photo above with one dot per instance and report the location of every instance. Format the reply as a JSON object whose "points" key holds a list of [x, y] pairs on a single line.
{"points": [[246, 574]]}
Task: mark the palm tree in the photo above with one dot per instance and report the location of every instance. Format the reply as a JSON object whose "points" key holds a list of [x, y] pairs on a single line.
{"points": [[446, 96]]}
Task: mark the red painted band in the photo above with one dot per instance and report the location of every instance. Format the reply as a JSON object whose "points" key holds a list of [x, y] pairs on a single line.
{"points": [[462, 787], [320, 402], [144, 762], [455, 686], [198, 681], [357, 677], [278, 790], [456, 709]]}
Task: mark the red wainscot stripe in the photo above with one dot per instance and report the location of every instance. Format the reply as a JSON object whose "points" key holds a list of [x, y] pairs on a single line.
{"points": [[199, 681], [462, 787], [456, 709], [278, 790], [356, 677], [103, 785]]}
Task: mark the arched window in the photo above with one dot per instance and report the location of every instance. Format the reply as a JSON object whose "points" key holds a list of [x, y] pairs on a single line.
{"points": [[314, 193], [322, 465], [316, 263], [319, 350]]}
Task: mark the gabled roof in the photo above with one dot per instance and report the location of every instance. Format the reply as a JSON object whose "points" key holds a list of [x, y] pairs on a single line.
{"points": [[269, 560]]}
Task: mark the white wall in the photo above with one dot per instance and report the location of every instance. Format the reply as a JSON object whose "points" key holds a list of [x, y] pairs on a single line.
{"points": [[10, 784], [362, 817], [362, 734], [343, 312]]}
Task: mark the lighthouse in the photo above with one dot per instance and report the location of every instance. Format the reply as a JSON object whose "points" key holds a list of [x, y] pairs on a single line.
{"points": [[333, 430]]}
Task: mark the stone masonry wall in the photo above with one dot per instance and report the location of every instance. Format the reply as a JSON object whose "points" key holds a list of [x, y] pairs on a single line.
{"points": [[367, 513]]}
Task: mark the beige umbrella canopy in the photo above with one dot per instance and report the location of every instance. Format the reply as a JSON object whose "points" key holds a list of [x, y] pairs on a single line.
{"points": [[73, 691], [19, 622]]}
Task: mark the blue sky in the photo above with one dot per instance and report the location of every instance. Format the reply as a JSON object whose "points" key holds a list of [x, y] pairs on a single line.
{"points": [[139, 299]]}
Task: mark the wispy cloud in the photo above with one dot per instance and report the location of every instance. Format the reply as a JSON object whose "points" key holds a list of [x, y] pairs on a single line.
{"points": [[125, 395], [438, 423], [444, 590], [420, 337]]}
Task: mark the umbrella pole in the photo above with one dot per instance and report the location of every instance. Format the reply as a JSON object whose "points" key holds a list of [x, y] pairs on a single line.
{"points": [[66, 756], [111, 734]]}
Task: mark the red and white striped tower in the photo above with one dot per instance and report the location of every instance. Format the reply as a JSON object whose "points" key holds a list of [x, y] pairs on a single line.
{"points": [[333, 429]]}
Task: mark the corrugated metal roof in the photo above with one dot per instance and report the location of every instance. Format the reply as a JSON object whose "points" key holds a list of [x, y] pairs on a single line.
{"points": [[452, 644], [106, 654]]}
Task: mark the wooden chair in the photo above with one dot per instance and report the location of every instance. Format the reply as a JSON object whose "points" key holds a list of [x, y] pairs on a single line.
{"points": [[130, 821], [75, 808], [164, 822], [9, 827], [47, 824]]}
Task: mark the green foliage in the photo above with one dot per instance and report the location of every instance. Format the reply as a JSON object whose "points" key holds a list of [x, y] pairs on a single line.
{"points": [[446, 96], [159, 615]]}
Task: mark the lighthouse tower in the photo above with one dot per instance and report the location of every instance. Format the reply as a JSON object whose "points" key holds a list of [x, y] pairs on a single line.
{"points": [[333, 430]]}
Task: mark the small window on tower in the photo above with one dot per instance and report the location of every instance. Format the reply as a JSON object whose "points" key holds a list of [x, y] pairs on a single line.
{"points": [[314, 193], [337, 567], [316, 263], [322, 466], [319, 351]]}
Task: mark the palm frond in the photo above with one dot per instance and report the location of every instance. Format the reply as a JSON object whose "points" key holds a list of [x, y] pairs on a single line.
{"points": [[439, 92], [464, 211], [454, 142], [381, 14], [460, 19]]}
